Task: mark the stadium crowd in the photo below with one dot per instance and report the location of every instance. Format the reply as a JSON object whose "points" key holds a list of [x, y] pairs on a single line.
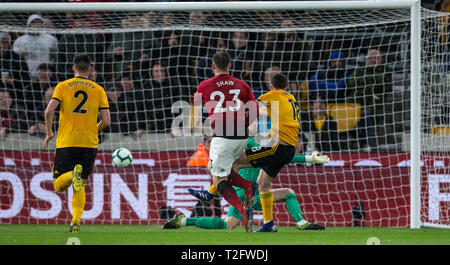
{"points": [[145, 71]]}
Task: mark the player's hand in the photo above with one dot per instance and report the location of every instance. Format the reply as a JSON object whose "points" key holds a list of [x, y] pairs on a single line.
{"points": [[319, 159], [47, 139]]}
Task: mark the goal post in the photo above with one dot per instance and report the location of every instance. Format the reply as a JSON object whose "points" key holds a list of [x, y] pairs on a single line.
{"points": [[170, 153], [415, 116]]}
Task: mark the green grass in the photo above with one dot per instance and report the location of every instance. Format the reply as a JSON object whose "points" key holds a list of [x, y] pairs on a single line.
{"points": [[154, 235]]}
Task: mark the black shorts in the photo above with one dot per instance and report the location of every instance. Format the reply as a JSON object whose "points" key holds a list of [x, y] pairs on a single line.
{"points": [[66, 159], [270, 159]]}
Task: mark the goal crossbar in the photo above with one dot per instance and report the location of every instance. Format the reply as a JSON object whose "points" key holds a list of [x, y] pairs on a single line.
{"points": [[208, 6]]}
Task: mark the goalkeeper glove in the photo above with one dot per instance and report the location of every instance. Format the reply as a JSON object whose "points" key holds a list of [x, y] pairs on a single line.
{"points": [[315, 158]]}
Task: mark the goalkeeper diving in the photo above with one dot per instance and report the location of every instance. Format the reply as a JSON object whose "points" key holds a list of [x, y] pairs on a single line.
{"points": [[234, 217]]}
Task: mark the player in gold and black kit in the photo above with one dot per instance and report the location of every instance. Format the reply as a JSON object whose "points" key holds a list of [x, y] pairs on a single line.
{"points": [[80, 101], [279, 105]]}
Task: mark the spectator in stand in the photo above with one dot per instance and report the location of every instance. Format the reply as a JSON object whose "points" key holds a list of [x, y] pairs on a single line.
{"points": [[201, 157], [95, 76], [132, 46], [289, 51], [198, 44], [252, 77], [74, 43], [240, 50], [6, 119], [12, 118], [301, 93], [177, 56], [331, 82], [127, 107], [161, 94], [36, 119], [36, 47], [317, 122], [264, 87], [13, 68], [168, 19], [150, 19], [34, 92], [371, 87], [48, 23]]}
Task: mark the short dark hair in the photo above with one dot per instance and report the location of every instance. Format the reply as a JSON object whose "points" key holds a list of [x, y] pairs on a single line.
{"points": [[279, 81], [221, 60], [82, 62]]}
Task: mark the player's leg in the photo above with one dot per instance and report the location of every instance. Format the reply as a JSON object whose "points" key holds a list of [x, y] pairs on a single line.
{"points": [[81, 172], [62, 169], [264, 158], [222, 155], [241, 162], [270, 162], [266, 199], [288, 196], [234, 179], [229, 194], [63, 181], [206, 196], [232, 222], [234, 217], [292, 205], [180, 220]]}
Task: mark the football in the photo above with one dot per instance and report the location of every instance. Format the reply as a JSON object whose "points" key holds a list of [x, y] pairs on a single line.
{"points": [[122, 157]]}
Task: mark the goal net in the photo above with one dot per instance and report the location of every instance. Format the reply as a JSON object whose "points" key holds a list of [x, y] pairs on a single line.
{"points": [[348, 69]]}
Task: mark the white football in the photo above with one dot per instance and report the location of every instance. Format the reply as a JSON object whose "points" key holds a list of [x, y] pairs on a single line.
{"points": [[122, 157]]}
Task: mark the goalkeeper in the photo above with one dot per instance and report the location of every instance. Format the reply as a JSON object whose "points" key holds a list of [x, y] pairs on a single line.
{"points": [[234, 218]]}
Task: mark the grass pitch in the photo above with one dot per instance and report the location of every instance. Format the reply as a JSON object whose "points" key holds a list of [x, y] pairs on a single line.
{"points": [[154, 235]]}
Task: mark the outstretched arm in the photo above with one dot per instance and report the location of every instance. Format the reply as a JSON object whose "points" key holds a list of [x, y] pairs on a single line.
{"points": [[314, 158]]}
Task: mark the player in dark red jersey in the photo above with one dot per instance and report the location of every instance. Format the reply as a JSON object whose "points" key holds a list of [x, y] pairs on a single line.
{"points": [[231, 106]]}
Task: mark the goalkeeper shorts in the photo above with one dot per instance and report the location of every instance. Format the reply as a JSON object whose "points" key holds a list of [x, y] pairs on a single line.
{"points": [[270, 159]]}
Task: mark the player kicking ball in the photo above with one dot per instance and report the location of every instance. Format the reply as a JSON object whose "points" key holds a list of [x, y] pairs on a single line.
{"points": [[228, 101], [279, 105], [80, 101], [234, 217]]}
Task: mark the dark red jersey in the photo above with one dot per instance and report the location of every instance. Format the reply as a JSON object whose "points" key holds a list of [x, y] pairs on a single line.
{"points": [[230, 104]]}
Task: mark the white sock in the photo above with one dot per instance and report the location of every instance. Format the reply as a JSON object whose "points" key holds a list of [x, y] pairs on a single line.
{"points": [[183, 221]]}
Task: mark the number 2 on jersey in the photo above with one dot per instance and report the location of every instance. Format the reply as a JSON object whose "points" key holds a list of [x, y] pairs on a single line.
{"points": [[78, 108]]}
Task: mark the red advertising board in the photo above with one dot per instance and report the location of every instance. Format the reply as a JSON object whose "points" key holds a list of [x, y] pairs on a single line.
{"points": [[135, 195]]}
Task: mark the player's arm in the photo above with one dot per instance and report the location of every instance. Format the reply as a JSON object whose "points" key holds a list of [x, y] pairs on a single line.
{"points": [[49, 114], [104, 111], [105, 119], [262, 108], [314, 158]]}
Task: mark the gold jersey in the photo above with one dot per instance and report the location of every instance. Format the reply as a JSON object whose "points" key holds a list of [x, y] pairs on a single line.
{"points": [[283, 114], [80, 101]]}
